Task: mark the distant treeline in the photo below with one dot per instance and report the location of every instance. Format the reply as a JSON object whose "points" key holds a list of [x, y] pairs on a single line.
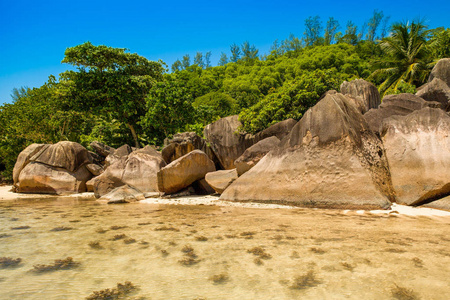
{"points": [[119, 97]]}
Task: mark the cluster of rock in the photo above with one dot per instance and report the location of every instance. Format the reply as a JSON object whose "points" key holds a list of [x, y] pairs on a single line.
{"points": [[351, 150]]}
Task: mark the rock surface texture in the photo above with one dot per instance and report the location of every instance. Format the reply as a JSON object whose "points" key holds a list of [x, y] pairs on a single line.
{"points": [[441, 70], [184, 171], [279, 130], [436, 90], [220, 180], [55, 169], [418, 151], [137, 169], [443, 203], [330, 159], [102, 149], [123, 194], [183, 143], [24, 159], [255, 153], [395, 105], [225, 140], [364, 94]]}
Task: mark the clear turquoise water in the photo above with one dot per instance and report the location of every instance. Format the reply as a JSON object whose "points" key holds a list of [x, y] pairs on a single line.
{"points": [[352, 256]]}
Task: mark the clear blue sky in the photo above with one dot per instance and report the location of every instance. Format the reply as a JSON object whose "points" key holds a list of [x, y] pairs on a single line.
{"points": [[34, 34]]}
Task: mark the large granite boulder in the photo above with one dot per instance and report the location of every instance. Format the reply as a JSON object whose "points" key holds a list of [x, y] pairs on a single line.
{"points": [[123, 150], [137, 169], [173, 151], [220, 180], [330, 159], [38, 178], [226, 141], [436, 90], [101, 148], [65, 154], [24, 158], [418, 151], [184, 171], [95, 169], [183, 143], [255, 153], [117, 155], [441, 70], [53, 169], [443, 203], [364, 94], [279, 130], [393, 105], [122, 194]]}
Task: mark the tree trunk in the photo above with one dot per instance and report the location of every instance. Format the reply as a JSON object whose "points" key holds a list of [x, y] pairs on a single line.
{"points": [[133, 133]]}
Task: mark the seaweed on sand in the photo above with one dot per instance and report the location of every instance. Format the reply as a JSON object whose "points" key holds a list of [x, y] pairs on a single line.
{"points": [[115, 227], [20, 227], [402, 293], [219, 278], [119, 292], [317, 250], [129, 241], [190, 256], [59, 264], [8, 262], [118, 237], [166, 228], [260, 252], [304, 281], [95, 245], [61, 228]]}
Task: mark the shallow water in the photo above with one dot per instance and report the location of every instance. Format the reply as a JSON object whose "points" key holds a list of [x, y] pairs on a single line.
{"points": [[352, 256]]}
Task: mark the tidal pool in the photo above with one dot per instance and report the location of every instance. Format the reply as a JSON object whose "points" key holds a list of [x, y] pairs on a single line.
{"points": [[212, 252]]}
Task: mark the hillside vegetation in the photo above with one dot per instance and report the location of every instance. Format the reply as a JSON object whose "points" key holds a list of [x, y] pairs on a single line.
{"points": [[119, 97]]}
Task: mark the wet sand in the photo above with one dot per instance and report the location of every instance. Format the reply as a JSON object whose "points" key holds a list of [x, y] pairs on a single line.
{"points": [[237, 252]]}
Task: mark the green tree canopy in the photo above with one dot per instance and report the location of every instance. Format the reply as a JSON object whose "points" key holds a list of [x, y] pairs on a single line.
{"points": [[110, 82], [406, 56]]}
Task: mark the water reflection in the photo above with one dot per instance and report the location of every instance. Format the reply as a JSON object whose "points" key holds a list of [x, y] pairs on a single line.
{"points": [[211, 252]]}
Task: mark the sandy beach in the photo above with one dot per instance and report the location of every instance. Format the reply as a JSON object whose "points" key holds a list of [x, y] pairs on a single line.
{"points": [[6, 194]]}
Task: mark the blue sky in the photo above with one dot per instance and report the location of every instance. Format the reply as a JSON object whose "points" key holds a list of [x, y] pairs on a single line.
{"points": [[35, 34]]}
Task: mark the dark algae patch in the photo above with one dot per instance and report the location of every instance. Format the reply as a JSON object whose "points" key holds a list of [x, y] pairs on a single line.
{"points": [[402, 293], [20, 227], [59, 264], [304, 281], [122, 291], [9, 262], [61, 228]]}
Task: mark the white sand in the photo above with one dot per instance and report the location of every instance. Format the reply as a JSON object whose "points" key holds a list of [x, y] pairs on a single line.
{"points": [[6, 194]]}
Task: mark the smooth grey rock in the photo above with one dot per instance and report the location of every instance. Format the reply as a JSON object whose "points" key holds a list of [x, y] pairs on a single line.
{"points": [[255, 153], [418, 150], [184, 171], [226, 141], [220, 180], [123, 194], [330, 159], [364, 94]]}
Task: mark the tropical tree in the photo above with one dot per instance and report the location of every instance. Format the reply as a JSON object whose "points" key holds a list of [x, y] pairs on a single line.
{"points": [[109, 81], [169, 109], [440, 43], [407, 58]]}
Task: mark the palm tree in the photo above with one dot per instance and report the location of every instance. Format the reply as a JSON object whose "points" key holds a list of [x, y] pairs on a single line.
{"points": [[407, 56]]}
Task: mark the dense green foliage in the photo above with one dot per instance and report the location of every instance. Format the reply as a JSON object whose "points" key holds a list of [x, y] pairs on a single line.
{"points": [[109, 82], [407, 57], [118, 97]]}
